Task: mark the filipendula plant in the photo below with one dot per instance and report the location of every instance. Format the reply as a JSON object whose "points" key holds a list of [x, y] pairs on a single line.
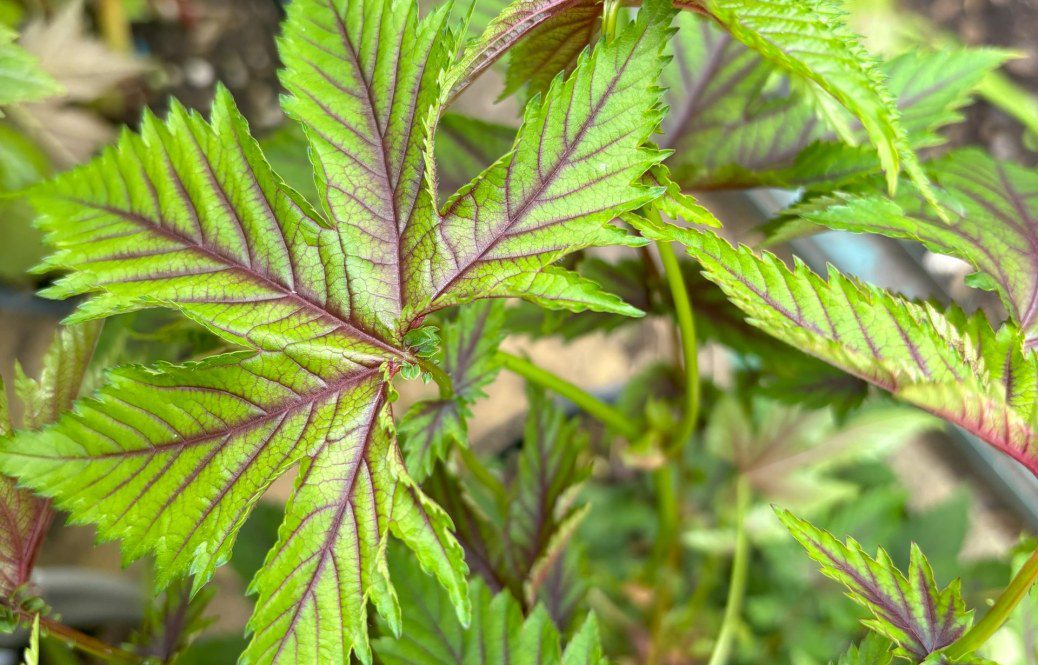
{"points": [[328, 289]]}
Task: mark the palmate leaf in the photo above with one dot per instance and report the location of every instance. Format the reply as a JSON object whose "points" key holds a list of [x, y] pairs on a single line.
{"points": [[954, 366], [908, 609], [171, 459], [993, 225], [26, 516], [732, 125], [188, 215], [499, 633], [469, 347]]}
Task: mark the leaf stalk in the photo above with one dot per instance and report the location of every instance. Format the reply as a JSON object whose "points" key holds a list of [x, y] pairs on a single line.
{"points": [[580, 397], [689, 345], [737, 582], [442, 379], [86, 643], [1011, 596]]}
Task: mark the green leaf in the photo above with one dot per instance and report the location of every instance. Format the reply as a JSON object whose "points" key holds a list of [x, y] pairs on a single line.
{"points": [[539, 518], [195, 220], [469, 345], [328, 561], [733, 125], [625, 278], [993, 225], [498, 633], [808, 40], [501, 25], [171, 459], [873, 650], [21, 79], [909, 610], [188, 215], [954, 366], [26, 516], [365, 107], [676, 204], [597, 120], [553, 47]]}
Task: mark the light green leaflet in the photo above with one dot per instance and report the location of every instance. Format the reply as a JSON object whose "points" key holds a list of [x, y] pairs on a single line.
{"points": [[908, 609], [806, 39], [539, 201], [954, 366], [993, 225], [188, 215]]}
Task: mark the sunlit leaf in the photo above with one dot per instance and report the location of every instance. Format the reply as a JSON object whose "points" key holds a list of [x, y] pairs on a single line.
{"points": [[954, 366], [324, 300], [993, 225], [537, 204]]}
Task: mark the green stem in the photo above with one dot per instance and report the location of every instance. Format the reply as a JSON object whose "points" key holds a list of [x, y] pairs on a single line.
{"points": [[666, 556], [737, 583], [999, 612], [442, 379], [610, 12], [689, 346], [87, 644], [583, 399]]}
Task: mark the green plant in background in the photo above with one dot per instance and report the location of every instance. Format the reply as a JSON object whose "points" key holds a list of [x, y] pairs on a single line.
{"points": [[52, 80], [384, 249]]}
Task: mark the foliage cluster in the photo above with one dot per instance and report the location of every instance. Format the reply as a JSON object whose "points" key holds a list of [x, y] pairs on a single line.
{"points": [[382, 237]]}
